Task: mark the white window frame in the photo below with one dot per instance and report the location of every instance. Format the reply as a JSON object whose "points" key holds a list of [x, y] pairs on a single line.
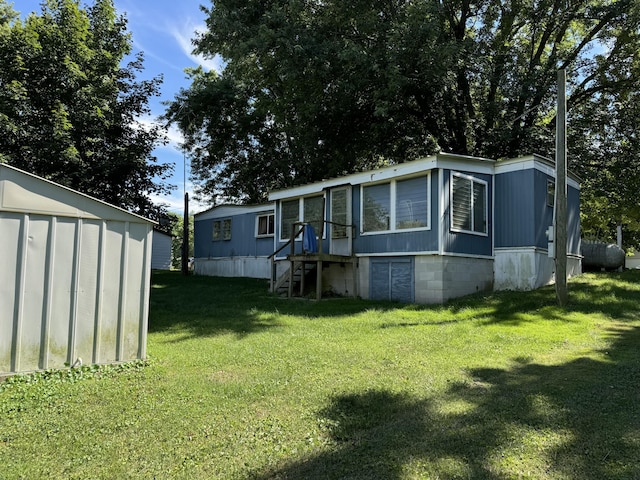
{"points": [[486, 204], [393, 198], [301, 215], [268, 234]]}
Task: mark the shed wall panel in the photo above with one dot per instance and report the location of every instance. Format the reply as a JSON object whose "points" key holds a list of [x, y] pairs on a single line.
{"points": [[10, 227], [31, 314], [62, 261], [114, 235], [88, 276], [135, 290]]}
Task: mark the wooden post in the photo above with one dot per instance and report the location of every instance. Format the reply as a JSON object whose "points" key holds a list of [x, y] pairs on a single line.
{"points": [[319, 280], [560, 229]]}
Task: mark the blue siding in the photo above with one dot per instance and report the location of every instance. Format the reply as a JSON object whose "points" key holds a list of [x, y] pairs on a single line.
{"points": [[243, 240], [514, 209], [461, 242], [522, 215], [416, 241]]}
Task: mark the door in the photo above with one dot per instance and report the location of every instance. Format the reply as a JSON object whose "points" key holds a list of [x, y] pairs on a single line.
{"points": [[392, 279], [341, 238]]}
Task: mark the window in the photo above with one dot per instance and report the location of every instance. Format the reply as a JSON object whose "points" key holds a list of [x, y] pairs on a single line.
{"points": [[308, 209], [376, 208], [551, 193], [339, 213], [265, 225], [222, 229], [468, 204], [312, 212], [411, 203], [226, 229], [290, 214], [396, 206]]}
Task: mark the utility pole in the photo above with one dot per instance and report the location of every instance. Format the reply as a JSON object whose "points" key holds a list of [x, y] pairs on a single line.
{"points": [[185, 222], [185, 236], [560, 227]]}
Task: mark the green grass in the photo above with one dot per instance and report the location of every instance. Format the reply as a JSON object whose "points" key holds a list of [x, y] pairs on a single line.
{"points": [[242, 384]]}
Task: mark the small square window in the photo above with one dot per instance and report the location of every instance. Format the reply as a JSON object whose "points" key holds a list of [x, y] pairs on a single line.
{"points": [[216, 230], [266, 225]]}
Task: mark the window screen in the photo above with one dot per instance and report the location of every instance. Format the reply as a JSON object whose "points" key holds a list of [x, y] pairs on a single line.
{"points": [[376, 208]]}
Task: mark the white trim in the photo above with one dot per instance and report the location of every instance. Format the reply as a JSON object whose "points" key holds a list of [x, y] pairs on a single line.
{"points": [[222, 211], [440, 160], [397, 254], [468, 255], [535, 162], [424, 254]]}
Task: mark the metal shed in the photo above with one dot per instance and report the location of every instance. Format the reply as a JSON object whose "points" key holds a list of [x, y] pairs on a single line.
{"points": [[74, 277]]}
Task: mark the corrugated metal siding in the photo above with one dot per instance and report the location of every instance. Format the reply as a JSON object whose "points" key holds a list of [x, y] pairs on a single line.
{"points": [[460, 242]]}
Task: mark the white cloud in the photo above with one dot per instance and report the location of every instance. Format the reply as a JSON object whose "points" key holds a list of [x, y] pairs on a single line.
{"points": [[175, 201], [183, 37]]}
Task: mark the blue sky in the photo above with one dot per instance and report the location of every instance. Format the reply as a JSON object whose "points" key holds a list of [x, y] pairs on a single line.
{"points": [[163, 30]]}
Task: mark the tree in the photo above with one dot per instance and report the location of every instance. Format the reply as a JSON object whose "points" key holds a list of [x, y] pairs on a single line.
{"points": [[315, 89], [177, 222], [69, 109]]}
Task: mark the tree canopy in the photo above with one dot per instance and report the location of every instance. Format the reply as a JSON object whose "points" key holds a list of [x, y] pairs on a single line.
{"points": [[70, 107], [313, 89]]}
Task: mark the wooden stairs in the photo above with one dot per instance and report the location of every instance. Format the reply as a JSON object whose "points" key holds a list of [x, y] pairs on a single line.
{"points": [[288, 285]]}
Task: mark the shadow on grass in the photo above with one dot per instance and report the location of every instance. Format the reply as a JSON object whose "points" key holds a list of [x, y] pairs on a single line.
{"points": [[613, 294], [204, 306], [580, 419]]}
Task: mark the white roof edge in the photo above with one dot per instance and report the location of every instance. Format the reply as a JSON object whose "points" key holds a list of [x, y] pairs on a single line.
{"points": [[520, 163], [379, 174], [76, 192], [220, 211]]}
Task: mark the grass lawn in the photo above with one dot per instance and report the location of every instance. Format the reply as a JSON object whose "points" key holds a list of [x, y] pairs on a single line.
{"points": [[242, 384]]}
